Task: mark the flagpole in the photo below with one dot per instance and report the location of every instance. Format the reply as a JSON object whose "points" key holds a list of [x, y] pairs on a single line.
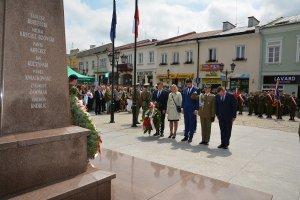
{"points": [[112, 105], [134, 105]]}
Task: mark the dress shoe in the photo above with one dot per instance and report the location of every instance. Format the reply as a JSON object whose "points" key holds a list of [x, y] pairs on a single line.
{"points": [[174, 136], [190, 140], [184, 139], [203, 143], [170, 136], [225, 147], [156, 134], [161, 135], [220, 146]]}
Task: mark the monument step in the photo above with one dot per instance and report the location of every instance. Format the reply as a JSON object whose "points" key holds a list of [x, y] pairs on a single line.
{"points": [[94, 184], [37, 158]]}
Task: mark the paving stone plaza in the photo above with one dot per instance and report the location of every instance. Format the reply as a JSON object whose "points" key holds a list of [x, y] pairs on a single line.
{"points": [[263, 159]]}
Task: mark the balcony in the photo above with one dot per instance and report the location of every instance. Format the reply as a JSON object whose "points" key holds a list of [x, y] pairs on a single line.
{"points": [[212, 61], [189, 62], [162, 64], [239, 59]]}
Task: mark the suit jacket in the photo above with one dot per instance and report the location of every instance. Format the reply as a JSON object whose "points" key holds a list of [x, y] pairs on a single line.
{"points": [[207, 110], [162, 100], [99, 96], [188, 103], [226, 110]]}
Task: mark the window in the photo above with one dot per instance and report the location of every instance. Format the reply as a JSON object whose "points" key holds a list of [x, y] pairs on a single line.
{"points": [[176, 58], [164, 58], [80, 65], [87, 64], [212, 55], [141, 58], [103, 62], [151, 56], [240, 52], [298, 49], [129, 59], [189, 56], [274, 51], [93, 64]]}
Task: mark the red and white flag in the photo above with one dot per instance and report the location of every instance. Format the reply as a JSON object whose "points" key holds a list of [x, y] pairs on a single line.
{"points": [[137, 20]]}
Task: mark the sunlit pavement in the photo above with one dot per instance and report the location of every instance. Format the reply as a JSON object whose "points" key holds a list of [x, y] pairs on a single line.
{"points": [[267, 160]]}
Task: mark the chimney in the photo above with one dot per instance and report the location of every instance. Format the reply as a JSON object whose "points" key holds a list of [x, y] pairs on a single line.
{"points": [[92, 46], [227, 26], [252, 21]]}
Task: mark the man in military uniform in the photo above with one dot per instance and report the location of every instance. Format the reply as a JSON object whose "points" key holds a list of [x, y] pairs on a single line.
{"points": [[255, 102], [293, 106], [145, 99], [206, 113], [251, 103], [269, 104], [261, 102], [279, 107]]}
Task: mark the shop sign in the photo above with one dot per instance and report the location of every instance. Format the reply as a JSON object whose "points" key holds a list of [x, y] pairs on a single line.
{"points": [[283, 79], [211, 67], [212, 74]]}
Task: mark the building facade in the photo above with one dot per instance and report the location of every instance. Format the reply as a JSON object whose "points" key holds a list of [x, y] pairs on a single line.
{"points": [[238, 46], [280, 57], [177, 59]]}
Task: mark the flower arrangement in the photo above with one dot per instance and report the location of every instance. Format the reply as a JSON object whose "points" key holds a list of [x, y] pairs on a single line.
{"points": [[80, 117], [152, 119]]}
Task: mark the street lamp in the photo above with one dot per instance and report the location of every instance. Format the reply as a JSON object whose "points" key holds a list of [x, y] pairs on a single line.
{"points": [[227, 72], [113, 58], [168, 75]]}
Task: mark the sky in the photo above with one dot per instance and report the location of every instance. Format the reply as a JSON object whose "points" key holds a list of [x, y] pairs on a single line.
{"points": [[88, 21]]}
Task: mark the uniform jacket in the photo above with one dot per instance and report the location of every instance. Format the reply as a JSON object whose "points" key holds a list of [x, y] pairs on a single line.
{"points": [[207, 107]]}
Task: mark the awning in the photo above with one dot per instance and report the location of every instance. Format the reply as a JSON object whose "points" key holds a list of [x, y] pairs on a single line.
{"points": [[81, 78], [240, 76]]}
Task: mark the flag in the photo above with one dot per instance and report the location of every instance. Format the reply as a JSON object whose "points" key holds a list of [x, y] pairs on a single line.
{"points": [[113, 23], [137, 20], [277, 90]]}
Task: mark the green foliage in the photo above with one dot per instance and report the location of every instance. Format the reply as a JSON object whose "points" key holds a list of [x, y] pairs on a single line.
{"points": [[81, 118]]}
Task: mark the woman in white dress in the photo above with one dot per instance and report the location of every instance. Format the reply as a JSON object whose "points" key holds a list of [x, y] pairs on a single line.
{"points": [[173, 110]]}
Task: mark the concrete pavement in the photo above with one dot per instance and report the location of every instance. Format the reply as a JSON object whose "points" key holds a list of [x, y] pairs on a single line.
{"points": [[267, 160]]}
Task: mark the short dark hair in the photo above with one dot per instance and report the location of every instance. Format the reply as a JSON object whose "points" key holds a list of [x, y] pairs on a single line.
{"points": [[220, 88], [73, 77], [188, 80]]}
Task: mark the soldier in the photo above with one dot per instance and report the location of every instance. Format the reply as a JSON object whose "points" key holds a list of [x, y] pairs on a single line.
{"points": [[145, 99], [255, 103], [206, 113], [261, 103], [251, 103], [279, 107], [269, 104], [293, 106]]}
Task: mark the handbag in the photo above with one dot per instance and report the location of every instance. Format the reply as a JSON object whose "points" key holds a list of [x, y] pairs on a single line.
{"points": [[177, 107]]}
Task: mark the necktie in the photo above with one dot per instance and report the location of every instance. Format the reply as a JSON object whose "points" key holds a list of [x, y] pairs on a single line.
{"points": [[158, 94]]}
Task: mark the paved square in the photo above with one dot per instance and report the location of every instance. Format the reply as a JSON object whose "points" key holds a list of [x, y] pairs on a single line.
{"points": [[266, 160]]}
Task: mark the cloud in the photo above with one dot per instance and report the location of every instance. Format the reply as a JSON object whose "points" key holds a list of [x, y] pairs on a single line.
{"points": [[88, 22]]}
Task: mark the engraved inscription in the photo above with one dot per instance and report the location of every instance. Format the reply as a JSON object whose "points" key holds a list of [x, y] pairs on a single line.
{"points": [[36, 67]]}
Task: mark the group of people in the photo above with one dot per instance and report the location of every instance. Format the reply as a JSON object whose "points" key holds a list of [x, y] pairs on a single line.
{"points": [[268, 103], [191, 102], [161, 102]]}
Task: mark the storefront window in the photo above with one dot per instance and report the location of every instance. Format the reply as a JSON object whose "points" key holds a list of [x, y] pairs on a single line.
{"points": [[243, 84]]}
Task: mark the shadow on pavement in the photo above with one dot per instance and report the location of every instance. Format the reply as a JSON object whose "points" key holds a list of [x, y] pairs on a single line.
{"points": [[187, 146]]}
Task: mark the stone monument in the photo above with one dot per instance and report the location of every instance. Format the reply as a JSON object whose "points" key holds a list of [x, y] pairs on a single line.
{"points": [[38, 146]]}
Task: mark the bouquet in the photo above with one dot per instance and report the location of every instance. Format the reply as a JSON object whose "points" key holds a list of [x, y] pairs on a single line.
{"points": [[152, 119]]}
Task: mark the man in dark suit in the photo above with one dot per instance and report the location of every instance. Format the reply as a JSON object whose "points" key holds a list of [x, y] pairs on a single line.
{"points": [[99, 98], [160, 97], [226, 107], [190, 109]]}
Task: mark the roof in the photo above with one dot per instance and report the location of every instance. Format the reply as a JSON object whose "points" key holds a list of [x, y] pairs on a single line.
{"points": [[95, 50], [178, 38], [231, 32], [141, 43], [283, 21]]}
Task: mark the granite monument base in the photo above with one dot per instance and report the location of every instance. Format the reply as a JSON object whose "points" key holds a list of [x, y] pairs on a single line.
{"points": [[92, 185], [34, 159]]}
